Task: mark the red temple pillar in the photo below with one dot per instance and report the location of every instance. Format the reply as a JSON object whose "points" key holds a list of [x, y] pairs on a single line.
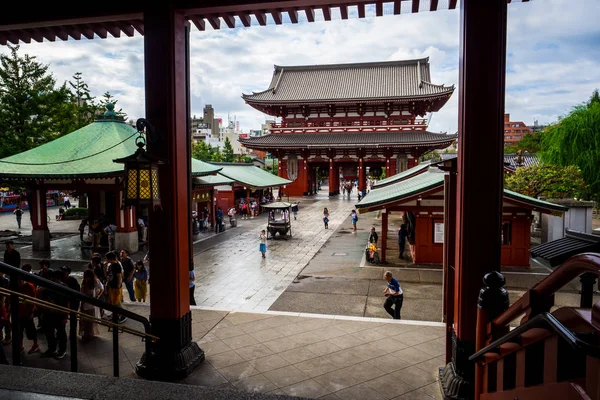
{"points": [[282, 172], [174, 355], [387, 165], [479, 176], [332, 181], [40, 235], [384, 231], [362, 181]]}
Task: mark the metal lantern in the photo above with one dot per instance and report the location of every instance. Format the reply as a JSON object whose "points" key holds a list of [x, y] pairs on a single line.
{"points": [[141, 174]]}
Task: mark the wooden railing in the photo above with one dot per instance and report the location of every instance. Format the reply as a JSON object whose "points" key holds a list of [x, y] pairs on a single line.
{"points": [[543, 351], [353, 125]]}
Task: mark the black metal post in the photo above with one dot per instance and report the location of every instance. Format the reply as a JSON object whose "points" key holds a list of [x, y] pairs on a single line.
{"points": [[73, 340], [587, 280], [17, 332], [115, 332]]}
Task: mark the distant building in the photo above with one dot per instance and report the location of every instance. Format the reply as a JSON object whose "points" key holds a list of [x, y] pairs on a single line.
{"points": [[206, 127], [514, 131], [536, 127]]}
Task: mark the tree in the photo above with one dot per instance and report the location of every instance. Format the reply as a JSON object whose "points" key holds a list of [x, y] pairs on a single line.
{"points": [[201, 151], [432, 155], [109, 98], [86, 109], [217, 156], [575, 140], [551, 181], [531, 143], [32, 110], [228, 155]]}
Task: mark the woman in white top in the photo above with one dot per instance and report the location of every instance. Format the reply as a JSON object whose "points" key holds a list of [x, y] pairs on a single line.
{"points": [[92, 287]]}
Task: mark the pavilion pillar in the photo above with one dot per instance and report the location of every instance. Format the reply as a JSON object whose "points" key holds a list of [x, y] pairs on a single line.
{"points": [[479, 176], [387, 165], [40, 235], [384, 232], [126, 236], [166, 36], [332, 181], [362, 181]]}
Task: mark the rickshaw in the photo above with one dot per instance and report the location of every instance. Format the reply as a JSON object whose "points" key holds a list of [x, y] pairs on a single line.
{"points": [[279, 223]]}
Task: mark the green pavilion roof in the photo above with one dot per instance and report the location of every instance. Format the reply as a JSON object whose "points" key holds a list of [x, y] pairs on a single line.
{"points": [[213, 180], [250, 175], [402, 175], [433, 178], [85, 153]]}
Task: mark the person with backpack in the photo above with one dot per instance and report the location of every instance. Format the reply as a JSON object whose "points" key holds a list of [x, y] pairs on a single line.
{"points": [[19, 214], [354, 217], [244, 208]]}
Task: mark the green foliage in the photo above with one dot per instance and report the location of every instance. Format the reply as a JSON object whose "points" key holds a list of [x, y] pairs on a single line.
{"points": [[247, 159], [216, 156], [32, 110], [575, 140], [432, 155], [85, 107], [551, 181], [202, 151], [78, 211], [531, 143], [228, 155]]}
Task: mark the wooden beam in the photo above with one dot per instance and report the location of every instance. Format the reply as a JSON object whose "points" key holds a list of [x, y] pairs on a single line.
{"points": [[310, 14], [415, 6], [293, 13], [379, 9], [433, 5], [48, 34], [138, 24], [452, 4], [344, 11], [198, 22], [214, 21], [60, 33], [397, 7], [245, 18], [361, 10], [24, 36], [276, 14], [3, 39], [113, 29], [261, 17], [37, 35], [126, 28], [99, 30], [326, 13], [229, 20], [87, 32]]}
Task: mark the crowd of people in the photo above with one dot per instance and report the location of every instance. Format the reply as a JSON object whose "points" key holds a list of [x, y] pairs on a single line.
{"points": [[102, 279]]}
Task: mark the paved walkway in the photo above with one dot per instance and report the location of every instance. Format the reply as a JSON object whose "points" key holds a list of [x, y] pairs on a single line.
{"points": [[326, 357]]}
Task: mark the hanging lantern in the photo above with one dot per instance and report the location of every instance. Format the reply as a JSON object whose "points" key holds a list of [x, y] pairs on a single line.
{"points": [[141, 186]]}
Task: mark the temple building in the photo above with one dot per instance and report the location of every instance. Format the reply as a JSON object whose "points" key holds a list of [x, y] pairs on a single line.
{"points": [[347, 119]]}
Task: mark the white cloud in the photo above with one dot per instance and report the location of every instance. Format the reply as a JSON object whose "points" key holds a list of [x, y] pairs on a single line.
{"points": [[553, 58]]}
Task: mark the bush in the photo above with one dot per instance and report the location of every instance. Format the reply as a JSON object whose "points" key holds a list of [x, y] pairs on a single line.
{"points": [[76, 211]]}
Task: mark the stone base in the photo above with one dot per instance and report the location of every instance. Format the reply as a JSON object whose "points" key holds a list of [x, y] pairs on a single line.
{"points": [[127, 241], [453, 386], [40, 239]]}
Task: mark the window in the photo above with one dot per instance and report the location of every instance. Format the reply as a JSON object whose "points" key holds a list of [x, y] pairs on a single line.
{"points": [[506, 232], [507, 137], [517, 137], [438, 231]]}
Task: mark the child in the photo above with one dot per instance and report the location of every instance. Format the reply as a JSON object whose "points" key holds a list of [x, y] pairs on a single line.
{"points": [[263, 243], [141, 281]]}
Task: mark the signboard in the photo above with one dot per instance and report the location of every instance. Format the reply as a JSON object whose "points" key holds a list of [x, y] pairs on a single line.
{"points": [[202, 196], [243, 136], [438, 232]]}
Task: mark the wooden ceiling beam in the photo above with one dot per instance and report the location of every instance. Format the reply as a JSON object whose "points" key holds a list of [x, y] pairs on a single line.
{"points": [[48, 34], [86, 31], [277, 17], [3, 39], [198, 22], [397, 7], [24, 36], [138, 25], [214, 21], [344, 11], [293, 13], [73, 31], [361, 10], [415, 6], [126, 28], [452, 4], [379, 9], [310, 14], [229, 20], [261, 17], [245, 18], [113, 29], [326, 13], [60, 33], [433, 5], [37, 35], [99, 30]]}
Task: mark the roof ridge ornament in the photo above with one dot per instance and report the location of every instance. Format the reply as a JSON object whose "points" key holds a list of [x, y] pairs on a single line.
{"points": [[110, 114]]}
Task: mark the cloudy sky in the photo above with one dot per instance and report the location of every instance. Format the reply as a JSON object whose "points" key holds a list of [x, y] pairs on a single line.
{"points": [[553, 58]]}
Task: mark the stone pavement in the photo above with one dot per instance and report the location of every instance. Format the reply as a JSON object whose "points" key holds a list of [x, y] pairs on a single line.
{"points": [[327, 357]]}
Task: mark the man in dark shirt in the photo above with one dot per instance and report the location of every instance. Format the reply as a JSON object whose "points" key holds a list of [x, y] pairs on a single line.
{"points": [[128, 271], [72, 283], [55, 321], [394, 296], [373, 237], [12, 256], [402, 234]]}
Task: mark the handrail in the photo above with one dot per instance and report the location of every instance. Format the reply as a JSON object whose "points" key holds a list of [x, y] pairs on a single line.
{"points": [[562, 275], [51, 306], [542, 320]]}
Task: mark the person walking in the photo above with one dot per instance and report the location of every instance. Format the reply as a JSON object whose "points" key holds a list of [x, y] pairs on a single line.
{"points": [[92, 287], [219, 226], [326, 218], [394, 296], [12, 256], [128, 271], [354, 218], [82, 225], [18, 213], [110, 230], [192, 287], [295, 210], [141, 281], [114, 283], [263, 243], [402, 234]]}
